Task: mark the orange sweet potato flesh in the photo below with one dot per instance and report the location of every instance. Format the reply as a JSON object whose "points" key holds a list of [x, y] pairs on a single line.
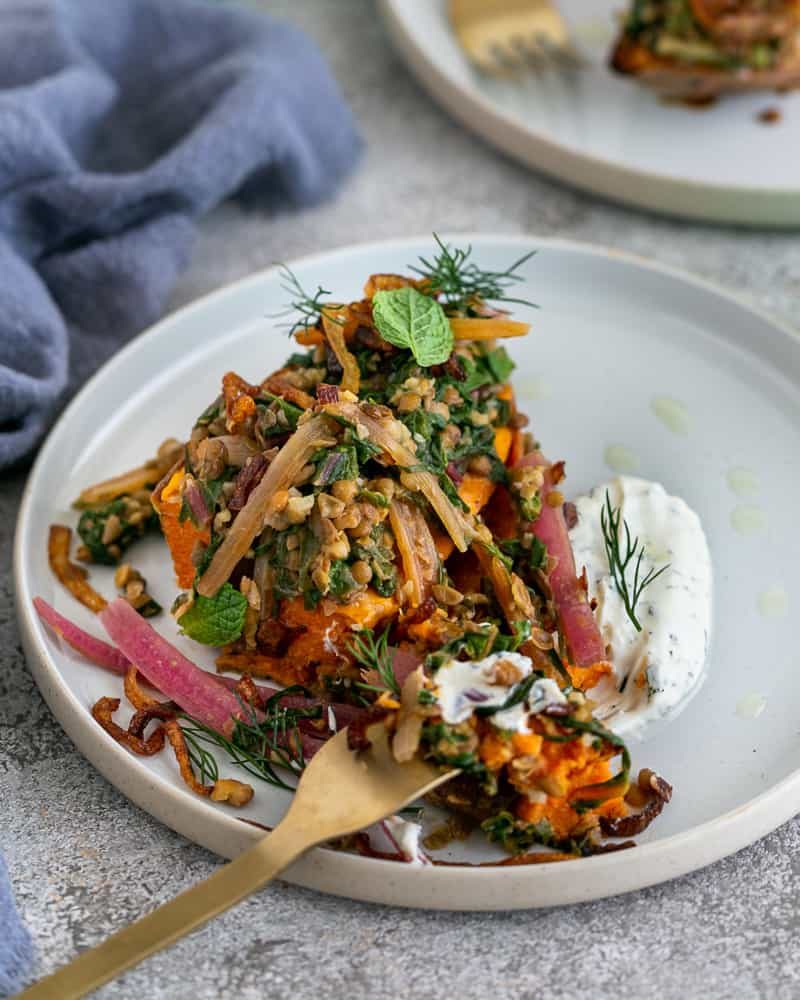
{"points": [[181, 536], [477, 491], [577, 767], [321, 639]]}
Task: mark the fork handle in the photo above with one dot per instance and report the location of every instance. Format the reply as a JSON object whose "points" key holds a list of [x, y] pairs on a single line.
{"points": [[191, 909]]}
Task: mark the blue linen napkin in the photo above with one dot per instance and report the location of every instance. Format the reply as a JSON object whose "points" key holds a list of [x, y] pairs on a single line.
{"points": [[122, 121], [16, 952]]}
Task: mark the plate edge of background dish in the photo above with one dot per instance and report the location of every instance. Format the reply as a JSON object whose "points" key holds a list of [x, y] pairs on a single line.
{"points": [[342, 874], [746, 206]]}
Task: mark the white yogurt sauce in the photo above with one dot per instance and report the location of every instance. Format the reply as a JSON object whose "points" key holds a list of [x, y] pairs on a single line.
{"points": [[463, 686], [657, 670], [406, 835]]}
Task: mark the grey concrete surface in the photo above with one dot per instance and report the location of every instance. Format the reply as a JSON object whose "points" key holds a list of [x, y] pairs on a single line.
{"points": [[86, 862]]}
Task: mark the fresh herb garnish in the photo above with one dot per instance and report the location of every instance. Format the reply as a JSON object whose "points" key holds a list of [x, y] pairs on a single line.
{"points": [[462, 285], [374, 654], [217, 620], [259, 743], [620, 555], [407, 318], [308, 306]]}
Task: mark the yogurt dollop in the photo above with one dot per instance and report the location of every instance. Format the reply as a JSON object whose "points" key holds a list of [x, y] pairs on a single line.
{"points": [[657, 670], [464, 685]]}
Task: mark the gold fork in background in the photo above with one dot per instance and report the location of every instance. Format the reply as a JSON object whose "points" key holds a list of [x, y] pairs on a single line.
{"points": [[509, 36], [339, 793]]}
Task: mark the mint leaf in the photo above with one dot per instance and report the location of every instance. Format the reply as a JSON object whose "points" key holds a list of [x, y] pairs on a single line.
{"points": [[217, 620], [407, 318]]}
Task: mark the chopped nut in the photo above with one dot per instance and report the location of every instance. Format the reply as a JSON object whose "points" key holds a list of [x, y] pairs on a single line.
{"points": [[350, 519], [112, 529], [124, 573], [339, 548], [221, 518], [235, 793], [506, 673], [344, 490], [279, 500], [385, 486], [451, 396], [134, 589], [409, 402], [438, 409], [298, 508], [329, 506], [478, 419]]}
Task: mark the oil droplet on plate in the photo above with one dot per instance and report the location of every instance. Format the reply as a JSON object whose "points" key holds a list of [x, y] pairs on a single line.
{"points": [[743, 482], [533, 387], [620, 459], [672, 414], [772, 603], [751, 706], [748, 520]]}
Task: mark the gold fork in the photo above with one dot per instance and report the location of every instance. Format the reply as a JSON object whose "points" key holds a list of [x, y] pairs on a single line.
{"points": [[340, 792], [506, 36]]}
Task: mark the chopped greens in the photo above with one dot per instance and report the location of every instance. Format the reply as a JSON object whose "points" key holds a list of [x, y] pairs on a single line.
{"points": [[113, 522]]}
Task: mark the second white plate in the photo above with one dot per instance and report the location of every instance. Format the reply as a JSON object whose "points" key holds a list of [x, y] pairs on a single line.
{"points": [[608, 135]]}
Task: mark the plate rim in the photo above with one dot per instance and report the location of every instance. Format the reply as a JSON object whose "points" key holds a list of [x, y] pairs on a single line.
{"points": [[776, 208], [337, 873]]}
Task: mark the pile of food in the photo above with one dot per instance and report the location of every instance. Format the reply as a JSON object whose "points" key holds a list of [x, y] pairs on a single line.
{"points": [[373, 527], [698, 49]]}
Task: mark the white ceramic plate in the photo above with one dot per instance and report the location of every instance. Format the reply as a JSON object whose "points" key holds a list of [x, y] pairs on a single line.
{"points": [[613, 332], [606, 134]]}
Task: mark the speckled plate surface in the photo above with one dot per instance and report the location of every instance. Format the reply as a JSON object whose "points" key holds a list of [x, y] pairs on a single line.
{"points": [[615, 337], [606, 134]]}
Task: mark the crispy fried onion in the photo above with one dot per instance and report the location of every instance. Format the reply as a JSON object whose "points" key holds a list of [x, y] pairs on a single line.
{"points": [[137, 697], [333, 324], [147, 475], [279, 385], [72, 576], [658, 791], [416, 547], [234, 793], [102, 712], [318, 432]]}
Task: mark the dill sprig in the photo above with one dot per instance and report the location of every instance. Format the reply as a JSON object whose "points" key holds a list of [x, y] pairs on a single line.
{"points": [[259, 743], [620, 555], [308, 306], [462, 285], [374, 654]]}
